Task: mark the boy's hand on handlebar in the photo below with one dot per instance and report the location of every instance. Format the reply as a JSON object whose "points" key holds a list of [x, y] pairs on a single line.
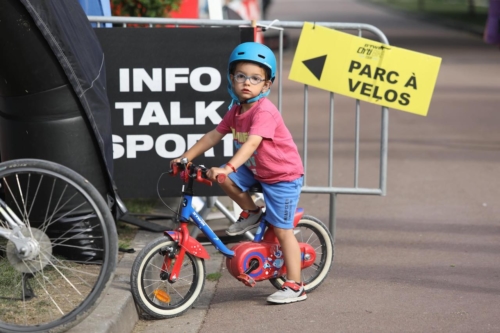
{"points": [[212, 173], [174, 161]]}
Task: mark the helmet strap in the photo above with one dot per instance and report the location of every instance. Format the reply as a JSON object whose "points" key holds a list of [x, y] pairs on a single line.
{"points": [[256, 98], [248, 101]]}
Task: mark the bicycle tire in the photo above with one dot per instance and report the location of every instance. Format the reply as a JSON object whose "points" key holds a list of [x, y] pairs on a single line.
{"points": [[146, 280], [52, 291], [314, 275]]}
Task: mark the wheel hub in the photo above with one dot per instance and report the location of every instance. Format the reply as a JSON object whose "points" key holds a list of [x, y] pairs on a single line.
{"points": [[35, 253]]}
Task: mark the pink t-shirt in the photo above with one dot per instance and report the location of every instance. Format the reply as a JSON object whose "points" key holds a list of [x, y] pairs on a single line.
{"points": [[276, 158]]}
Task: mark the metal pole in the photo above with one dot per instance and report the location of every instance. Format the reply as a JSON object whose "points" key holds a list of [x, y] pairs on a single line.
{"points": [[383, 149], [306, 102], [333, 222], [330, 154], [356, 147]]}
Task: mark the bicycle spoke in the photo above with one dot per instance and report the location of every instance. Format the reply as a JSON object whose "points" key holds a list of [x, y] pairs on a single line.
{"points": [[64, 240], [184, 278], [66, 279], [73, 270], [49, 295], [175, 290], [153, 282], [12, 195], [34, 196], [81, 247], [47, 224], [50, 200], [22, 197], [75, 236]]}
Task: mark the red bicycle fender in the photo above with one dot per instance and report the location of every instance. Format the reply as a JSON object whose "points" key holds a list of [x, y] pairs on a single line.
{"points": [[191, 245], [299, 212]]}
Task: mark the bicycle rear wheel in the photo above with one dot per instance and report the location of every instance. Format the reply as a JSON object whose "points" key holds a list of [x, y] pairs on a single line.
{"points": [[312, 231], [69, 247]]}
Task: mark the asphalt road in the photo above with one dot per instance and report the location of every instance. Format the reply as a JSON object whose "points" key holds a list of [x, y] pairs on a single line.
{"points": [[424, 258]]}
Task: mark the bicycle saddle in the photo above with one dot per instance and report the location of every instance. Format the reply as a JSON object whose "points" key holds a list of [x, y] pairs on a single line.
{"points": [[256, 188]]}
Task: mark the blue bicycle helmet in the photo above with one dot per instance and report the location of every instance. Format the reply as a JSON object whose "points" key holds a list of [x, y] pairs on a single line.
{"points": [[253, 52]]}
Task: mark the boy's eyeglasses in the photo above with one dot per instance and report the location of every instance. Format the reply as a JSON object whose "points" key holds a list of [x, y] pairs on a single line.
{"points": [[253, 79]]}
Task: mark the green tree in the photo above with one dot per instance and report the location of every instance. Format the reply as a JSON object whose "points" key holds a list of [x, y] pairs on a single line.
{"points": [[144, 8]]}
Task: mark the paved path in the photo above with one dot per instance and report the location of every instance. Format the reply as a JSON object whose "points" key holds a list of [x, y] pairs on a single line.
{"points": [[425, 258]]}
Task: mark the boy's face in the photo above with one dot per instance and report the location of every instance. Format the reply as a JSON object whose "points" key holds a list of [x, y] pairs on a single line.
{"points": [[253, 79]]}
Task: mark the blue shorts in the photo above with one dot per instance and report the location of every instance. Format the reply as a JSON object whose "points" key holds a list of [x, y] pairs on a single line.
{"points": [[281, 198]]}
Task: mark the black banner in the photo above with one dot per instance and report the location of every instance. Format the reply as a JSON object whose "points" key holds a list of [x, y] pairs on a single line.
{"points": [[166, 87]]}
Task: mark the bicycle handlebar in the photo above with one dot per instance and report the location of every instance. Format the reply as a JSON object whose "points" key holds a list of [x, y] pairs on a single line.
{"points": [[198, 172]]}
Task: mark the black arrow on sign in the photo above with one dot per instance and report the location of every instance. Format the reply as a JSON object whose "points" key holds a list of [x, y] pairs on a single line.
{"points": [[316, 65]]}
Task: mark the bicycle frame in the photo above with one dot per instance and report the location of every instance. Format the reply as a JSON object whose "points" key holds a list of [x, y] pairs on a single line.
{"points": [[189, 244], [188, 212], [182, 236]]}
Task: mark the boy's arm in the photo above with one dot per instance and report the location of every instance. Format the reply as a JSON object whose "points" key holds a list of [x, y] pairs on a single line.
{"points": [[205, 143], [242, 155], [245, 152]]}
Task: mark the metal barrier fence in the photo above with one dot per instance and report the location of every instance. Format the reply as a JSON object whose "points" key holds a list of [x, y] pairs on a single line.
{"points": [[281, 26]]}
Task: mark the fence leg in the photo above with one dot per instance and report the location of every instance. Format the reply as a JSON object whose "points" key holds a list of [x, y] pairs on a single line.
{"points": [[331, 226]]}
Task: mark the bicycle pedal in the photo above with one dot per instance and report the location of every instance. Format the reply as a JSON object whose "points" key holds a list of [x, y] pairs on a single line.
{"points": [[247, 280]]}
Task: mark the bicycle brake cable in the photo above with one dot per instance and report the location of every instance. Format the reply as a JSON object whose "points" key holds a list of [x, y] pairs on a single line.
{"points": [[176, 213]]}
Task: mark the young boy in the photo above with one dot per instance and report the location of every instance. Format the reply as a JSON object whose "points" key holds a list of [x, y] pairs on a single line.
{"points": [[265, 154]]}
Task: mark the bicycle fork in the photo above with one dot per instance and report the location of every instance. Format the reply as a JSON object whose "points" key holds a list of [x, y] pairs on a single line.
{"points": [[186, 243]]}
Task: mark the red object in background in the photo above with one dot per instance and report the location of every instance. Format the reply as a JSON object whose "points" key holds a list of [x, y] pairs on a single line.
{"points": [[187, 9]]}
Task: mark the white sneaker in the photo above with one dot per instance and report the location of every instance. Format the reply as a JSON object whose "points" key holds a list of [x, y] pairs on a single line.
{"points": [[247, 221], [290, 292]]}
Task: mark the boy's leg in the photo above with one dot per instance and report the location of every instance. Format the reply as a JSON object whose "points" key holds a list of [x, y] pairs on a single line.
{"points": [[236, 187], [233, 191], [291, 253], [292, 290], [281, 201]]}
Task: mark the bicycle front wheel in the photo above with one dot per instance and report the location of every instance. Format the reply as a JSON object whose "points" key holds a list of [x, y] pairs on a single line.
{"points": [[153, 293], [58, 247], [312, 231]]}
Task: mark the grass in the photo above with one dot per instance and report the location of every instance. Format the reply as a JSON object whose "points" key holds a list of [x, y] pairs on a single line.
{"points": [[8, 275], [66, 286], [214, 276], [140, 206], [455, 10]]}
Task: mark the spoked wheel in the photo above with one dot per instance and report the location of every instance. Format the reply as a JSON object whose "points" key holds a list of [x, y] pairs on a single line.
{"points": [[312, 231], [58, 247], [153, 293]]}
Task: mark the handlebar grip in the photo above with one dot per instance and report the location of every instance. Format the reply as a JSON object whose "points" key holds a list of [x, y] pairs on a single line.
{"points": [[221, 178], [174, 170], [201, 179]]}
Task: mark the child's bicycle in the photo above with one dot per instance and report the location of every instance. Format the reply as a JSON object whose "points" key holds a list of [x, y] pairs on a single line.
{"points": [[168, 274], [58, 247]]}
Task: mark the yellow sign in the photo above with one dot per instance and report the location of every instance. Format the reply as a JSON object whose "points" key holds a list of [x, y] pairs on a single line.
{"points": [[364, 69]]}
